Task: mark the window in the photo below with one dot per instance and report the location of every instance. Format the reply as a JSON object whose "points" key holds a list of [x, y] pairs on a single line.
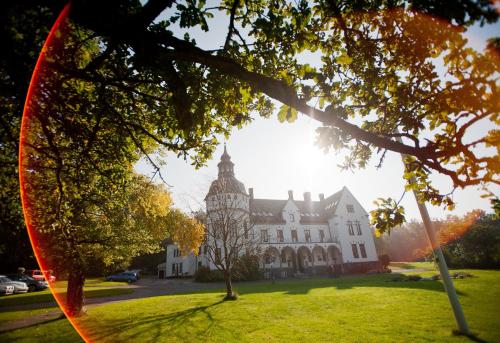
{"points": [[176, 268], [177, 253], [307, 233], [294, 236], [280, 236], [199, 264], [350, 228], [199, 250], [355, 250], [264, 237], [358, 227], [350, 208], [205, 249], [292, 217], [245, 228], [363, 250], [321, 236]]}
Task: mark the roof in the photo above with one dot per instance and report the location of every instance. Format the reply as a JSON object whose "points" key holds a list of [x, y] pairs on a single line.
{"points": [[269, 211], [311, 212], [226, 185], [331, 203]]}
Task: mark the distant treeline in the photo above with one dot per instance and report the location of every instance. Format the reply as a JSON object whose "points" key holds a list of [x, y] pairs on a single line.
{"points": [[471, 241]]}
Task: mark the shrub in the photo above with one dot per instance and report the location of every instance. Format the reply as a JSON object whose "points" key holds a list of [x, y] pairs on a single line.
{"points": [[204, 274], [247, 268], [414, 278]]}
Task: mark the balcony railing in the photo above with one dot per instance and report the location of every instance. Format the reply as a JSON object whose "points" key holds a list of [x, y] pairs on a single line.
{"points": [[274, 240]]}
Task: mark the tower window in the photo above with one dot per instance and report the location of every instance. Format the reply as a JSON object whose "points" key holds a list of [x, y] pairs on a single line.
{"points": [[292, 217]]}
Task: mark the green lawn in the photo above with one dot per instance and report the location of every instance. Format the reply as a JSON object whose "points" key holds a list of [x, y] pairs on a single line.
{"points": [[92, 282], [46, 297], [7, 316], [412, 265], [349, 309]]}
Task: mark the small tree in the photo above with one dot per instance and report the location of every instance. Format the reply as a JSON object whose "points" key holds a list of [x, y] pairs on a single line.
{"points": [[229, 234]]}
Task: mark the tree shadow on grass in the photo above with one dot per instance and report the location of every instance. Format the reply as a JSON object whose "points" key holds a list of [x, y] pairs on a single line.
{"points": [[154, 327], [45, 299], [304, 286]]}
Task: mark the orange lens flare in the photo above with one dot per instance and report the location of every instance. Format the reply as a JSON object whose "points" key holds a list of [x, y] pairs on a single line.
{"points": [[419, 25], [51, 42]]}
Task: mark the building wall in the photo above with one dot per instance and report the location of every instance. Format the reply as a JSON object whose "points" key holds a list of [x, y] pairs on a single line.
{"points": [[189, 262], [339, 222], [336, 236], [235, 205]]}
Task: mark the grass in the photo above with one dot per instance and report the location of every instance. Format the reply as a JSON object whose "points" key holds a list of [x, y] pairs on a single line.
{"points": [[47, 297], [8, 316], [92, 282], [412, 265], [349, 309]]}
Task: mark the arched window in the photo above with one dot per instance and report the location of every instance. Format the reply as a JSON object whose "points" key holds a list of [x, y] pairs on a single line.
{"points": [[292, 217]]}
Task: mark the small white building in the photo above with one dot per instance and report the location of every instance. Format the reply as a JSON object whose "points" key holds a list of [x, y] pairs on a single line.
{"points": [[294, 236]]}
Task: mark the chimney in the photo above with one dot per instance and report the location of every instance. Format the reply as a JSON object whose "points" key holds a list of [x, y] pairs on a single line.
{"points": [[290, 195], [307, 196], [250, 192], [321, 197]]}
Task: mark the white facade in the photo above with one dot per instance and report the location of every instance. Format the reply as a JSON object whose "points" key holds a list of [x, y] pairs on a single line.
{"points": [[294, 236]]}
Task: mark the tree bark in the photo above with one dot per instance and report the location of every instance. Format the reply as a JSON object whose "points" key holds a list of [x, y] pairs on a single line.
{"points": [[74, 295], [229, 285]]}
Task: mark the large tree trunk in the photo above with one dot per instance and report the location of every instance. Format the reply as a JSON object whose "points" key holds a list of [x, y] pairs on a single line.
{"points": [[229, 285], [74, 295]]}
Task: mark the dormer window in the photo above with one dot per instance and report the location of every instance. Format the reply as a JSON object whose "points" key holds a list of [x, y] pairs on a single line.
{"points": [[292, 217]]}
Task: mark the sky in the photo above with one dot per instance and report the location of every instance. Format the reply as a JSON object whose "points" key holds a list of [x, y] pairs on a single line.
{"points": [[273, 157]]}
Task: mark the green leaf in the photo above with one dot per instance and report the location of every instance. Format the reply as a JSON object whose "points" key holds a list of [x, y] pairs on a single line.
{"points": [[282, 113], [344, 59]]}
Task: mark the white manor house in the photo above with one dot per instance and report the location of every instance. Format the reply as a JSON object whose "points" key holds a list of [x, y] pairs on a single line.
{"points": [[294, 236]]}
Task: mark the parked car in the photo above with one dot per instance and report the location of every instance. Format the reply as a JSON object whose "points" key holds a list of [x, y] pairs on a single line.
{"points": [[136, 272], [124, 276], [38, 275], [33, 285], [19, 287], [6, 289]]}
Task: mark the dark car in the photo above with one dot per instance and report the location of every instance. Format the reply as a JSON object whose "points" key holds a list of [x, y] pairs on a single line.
{"points": [[136, 272], [125, 276], [33, 285]]}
